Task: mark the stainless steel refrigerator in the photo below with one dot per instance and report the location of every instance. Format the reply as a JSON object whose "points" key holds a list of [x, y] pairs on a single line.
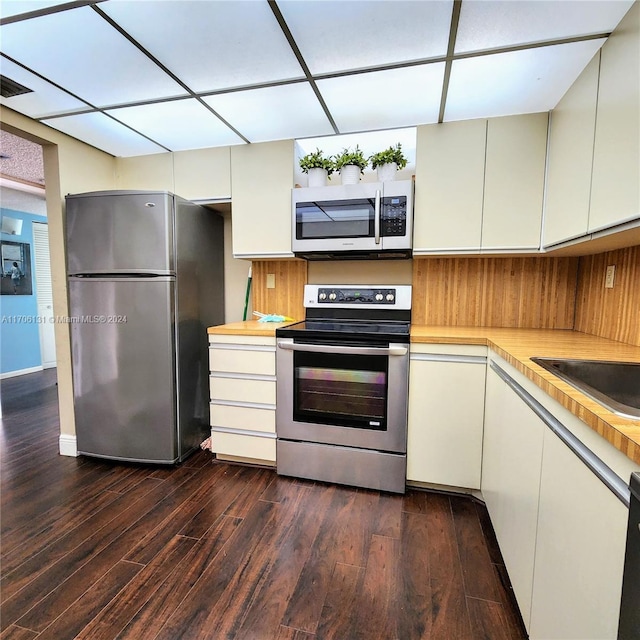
{"points": [[146, 278]]}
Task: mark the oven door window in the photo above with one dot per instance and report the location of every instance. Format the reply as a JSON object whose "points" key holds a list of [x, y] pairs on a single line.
{"points": [[341, 390], [335, 219]]}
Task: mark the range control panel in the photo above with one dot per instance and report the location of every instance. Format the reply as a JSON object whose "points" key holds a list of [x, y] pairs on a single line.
{"points": [[353, 296], [356, 296]]}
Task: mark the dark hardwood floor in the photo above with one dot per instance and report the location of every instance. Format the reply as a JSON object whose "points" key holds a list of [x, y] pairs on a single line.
{"points": [[207, 550]]}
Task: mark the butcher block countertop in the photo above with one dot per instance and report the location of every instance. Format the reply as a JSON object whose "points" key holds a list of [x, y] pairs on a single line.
{"points": [[247, 328], [517, 346]]}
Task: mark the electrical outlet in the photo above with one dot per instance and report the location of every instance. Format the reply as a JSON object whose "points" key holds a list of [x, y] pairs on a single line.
{"points": [[609, 278], [271, 280]]}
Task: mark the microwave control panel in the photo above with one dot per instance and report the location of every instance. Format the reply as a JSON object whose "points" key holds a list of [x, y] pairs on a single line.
{"points": [[393, 216]]}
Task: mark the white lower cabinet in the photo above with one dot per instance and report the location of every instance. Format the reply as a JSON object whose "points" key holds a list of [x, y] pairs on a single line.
{"points": [[580, 547], [512, 459], [446, 406], [242, 387], [561, 529]]}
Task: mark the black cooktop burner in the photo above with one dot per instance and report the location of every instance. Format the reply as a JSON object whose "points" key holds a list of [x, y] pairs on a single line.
{"points": [[346, 330]]}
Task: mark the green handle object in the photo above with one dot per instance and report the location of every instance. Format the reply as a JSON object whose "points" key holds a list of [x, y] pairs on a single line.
{"points": [[246, 297]]}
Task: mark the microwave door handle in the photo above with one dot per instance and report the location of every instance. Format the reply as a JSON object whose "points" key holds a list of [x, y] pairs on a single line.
{"points": [[324, 348], [376, 217]]}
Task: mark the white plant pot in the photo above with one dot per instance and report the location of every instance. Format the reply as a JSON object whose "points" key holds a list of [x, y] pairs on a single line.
{"points": [[318, 177], [350, 174], [387, 172]]}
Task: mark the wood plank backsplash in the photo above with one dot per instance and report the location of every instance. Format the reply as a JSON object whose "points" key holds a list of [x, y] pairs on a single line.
{"points": [[286, 297], [610, 313], [532, 292]]}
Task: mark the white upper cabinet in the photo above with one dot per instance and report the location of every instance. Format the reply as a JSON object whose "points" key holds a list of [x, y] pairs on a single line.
{"points": [[615, 191], [514, 182], [262, 176], [449, 187], [570, 159], [480, 185]]}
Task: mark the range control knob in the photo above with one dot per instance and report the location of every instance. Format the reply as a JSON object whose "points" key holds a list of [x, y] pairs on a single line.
{"points": [[332, 296], [322, 296], [379, 296], [390, 297]]}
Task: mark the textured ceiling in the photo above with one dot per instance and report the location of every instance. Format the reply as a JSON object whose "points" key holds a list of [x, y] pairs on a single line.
{"points": [[135, 77], [20, 158]]}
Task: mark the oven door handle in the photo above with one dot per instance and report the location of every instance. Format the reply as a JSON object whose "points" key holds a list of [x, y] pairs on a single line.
{"points": [[364, 351]]}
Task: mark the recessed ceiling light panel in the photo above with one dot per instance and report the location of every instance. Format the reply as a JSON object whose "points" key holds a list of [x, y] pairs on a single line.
{"points": [[211, 45], [385, 99], [178, 124], [527, 81], [488, 24], [104, 133], [273, 113], [336, 36], [84, 54]]}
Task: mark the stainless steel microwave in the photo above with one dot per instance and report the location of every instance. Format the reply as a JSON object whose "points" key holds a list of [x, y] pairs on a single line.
{"points": [[365, 220]]}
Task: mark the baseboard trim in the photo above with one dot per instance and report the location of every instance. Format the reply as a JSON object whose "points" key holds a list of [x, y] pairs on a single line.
{"points": [[68, 446], [20, 372]]}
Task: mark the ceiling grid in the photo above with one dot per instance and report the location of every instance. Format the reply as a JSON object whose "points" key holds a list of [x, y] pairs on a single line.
{"points": [[134, 78]]}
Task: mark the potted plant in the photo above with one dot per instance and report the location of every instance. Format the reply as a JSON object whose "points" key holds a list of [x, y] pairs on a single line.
{"points": [[387, 162], [318, 167], [350, 164]]}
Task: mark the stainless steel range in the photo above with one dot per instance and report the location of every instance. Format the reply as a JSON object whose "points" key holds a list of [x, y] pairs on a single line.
{"points": [[342, 383]]}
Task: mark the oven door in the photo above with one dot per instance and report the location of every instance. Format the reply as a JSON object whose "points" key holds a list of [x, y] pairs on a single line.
{"points": [[344, 395]]}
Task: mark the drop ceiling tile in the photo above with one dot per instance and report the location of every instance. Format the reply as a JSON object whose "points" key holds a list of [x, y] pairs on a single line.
{"points": [[486, 24], [527, 81], [16, 7], [385, 99], [83, 53], [273, 113], [178, 124], [211, 45], [335, 36], [44, 99], [104, 133]]}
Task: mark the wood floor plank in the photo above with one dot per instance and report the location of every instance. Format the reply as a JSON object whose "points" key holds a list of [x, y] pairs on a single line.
{"points": [[413, 614], [71, 621], [389, 515], [287, 633], [210, 603], [415, 501], [332, 546], [450, 617], [336, 619], [488, 620], [17, 633], [257, 481], [156, 612], [477, 569], [112, 619], [267, 609], [376, 597]]}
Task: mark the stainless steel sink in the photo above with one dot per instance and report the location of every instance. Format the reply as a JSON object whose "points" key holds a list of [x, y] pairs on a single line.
{"points": [[616, 385]]}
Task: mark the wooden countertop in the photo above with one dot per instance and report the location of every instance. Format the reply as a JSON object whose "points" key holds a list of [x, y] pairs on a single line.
{"points": [[517, 346], [247, 328]]}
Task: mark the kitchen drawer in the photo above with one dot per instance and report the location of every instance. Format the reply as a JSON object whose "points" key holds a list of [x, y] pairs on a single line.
{"points": [[242, 359], [243, 446], [242, 389], [237, 416]]}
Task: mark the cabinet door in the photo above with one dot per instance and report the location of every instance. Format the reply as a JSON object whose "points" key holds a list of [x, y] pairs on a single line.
{"points": [[514, 182], [446, 407], [261, 183], [615, 192], [449, 186], [570, 160], [512, 460], [579, 552]]}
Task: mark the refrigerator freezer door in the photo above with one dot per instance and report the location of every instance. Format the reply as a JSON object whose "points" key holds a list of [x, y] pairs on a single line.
{"points": [[123, 346], [120, 232]]}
